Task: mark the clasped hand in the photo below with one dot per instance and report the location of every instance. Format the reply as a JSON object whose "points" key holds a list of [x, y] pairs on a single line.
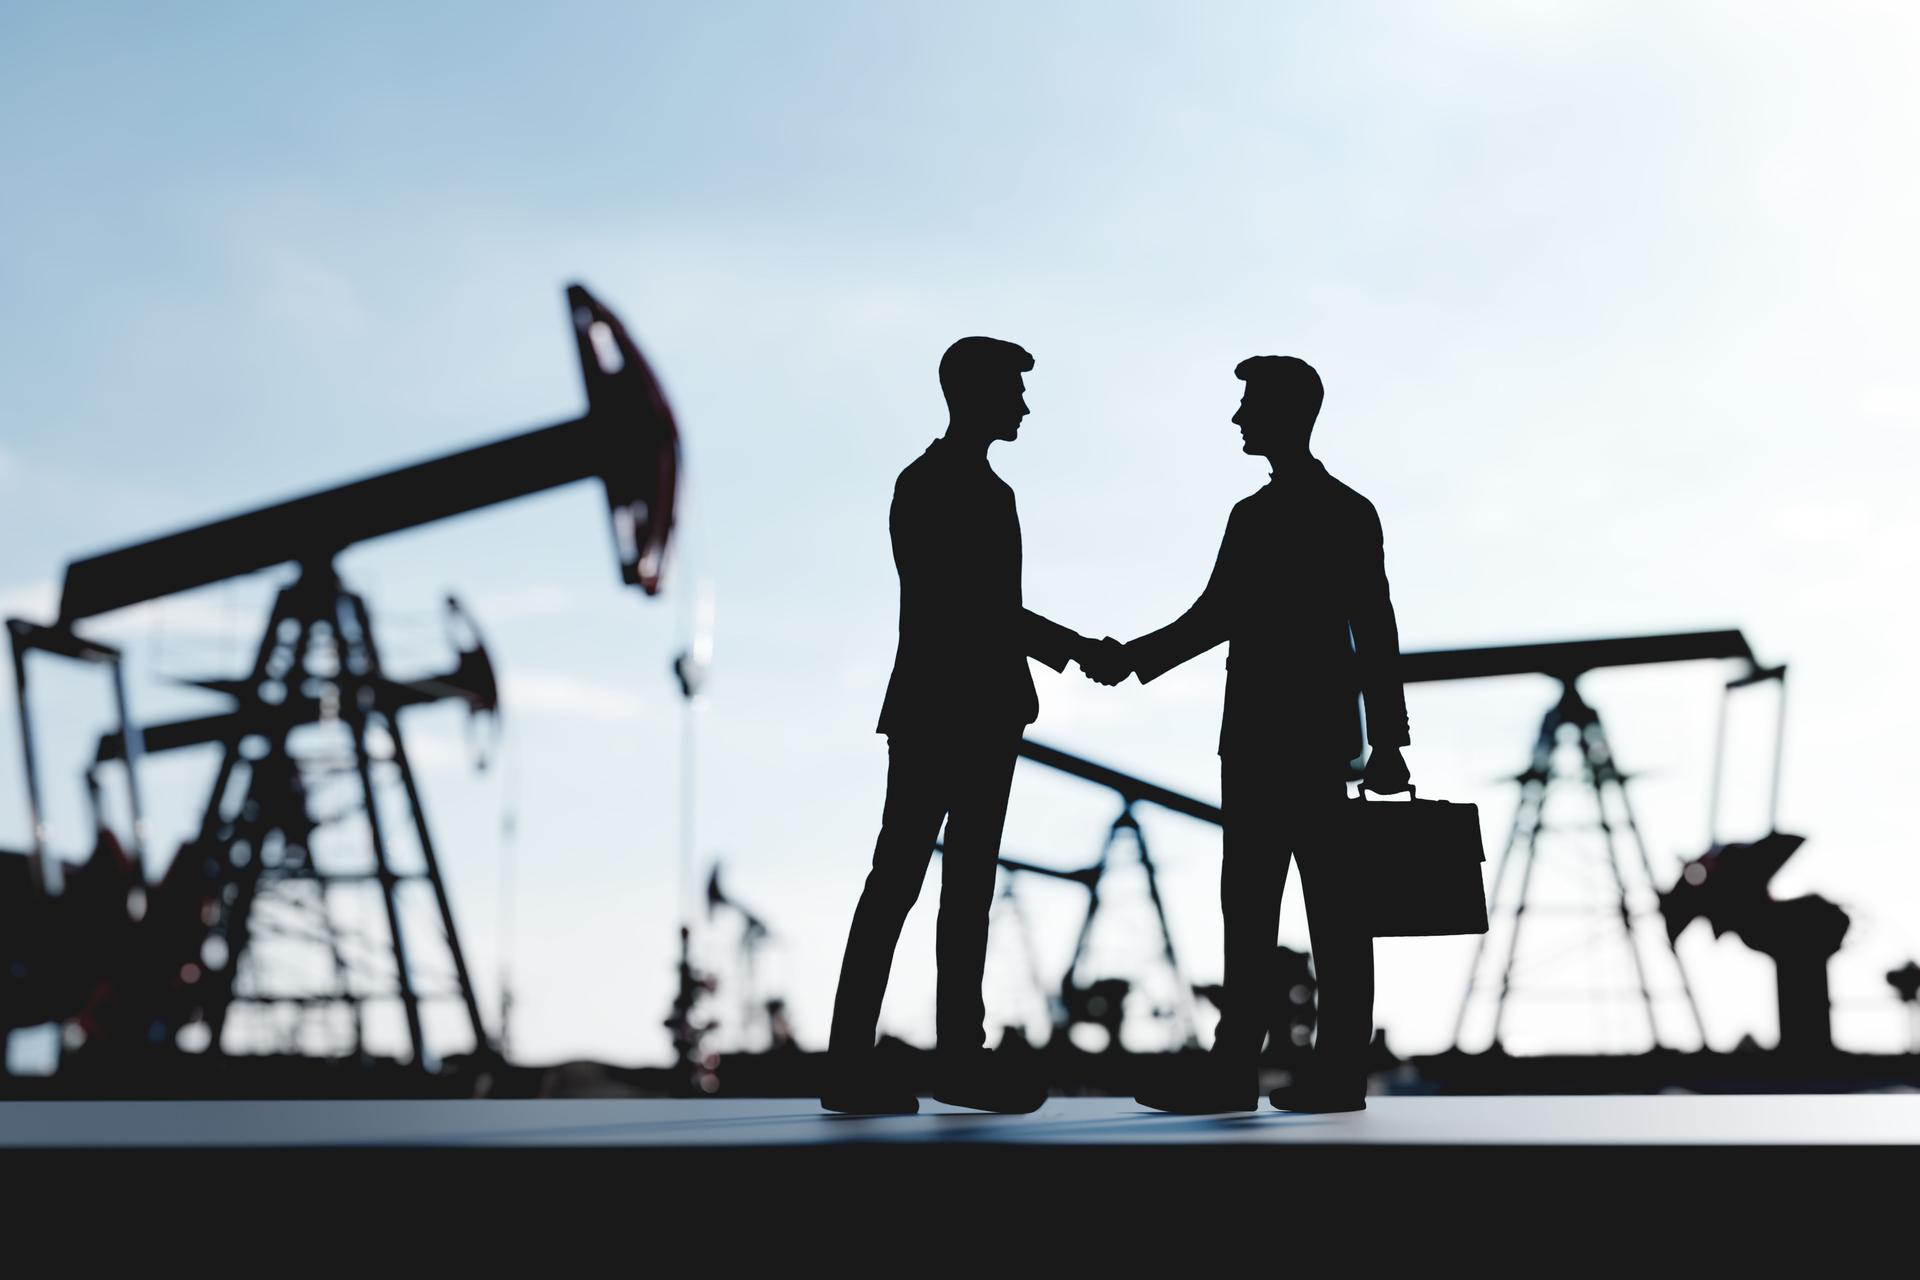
{"points": [[1387, 772], [1106, 662]]}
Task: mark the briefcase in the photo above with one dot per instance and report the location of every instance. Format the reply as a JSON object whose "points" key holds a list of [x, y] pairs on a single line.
{"points": [[1418, 865]]}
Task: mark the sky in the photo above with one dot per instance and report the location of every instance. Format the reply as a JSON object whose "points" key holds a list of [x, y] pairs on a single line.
{"points": [[1613, 304]]}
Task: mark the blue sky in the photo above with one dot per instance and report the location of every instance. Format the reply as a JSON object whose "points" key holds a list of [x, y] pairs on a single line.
{"points": [[1613, 304]]}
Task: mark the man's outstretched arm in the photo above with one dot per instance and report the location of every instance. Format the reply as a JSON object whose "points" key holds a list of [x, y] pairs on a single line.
{"points": [[1050, 642], [1199, 629], [1056, 646]]}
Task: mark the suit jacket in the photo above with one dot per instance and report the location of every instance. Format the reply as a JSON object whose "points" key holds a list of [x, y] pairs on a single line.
{"points": [[1299, 593], [965, 636]]}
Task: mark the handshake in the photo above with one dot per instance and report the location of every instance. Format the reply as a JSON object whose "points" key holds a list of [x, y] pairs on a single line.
{"points": [[1105, 661]]}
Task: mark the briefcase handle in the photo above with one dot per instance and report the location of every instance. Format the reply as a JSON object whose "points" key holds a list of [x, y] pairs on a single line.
{"points": [[1409, 788]]}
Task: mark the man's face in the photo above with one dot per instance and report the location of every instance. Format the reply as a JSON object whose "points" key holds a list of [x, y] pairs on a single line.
{"points": [[1005, 406], [1255, 417], [1268, 425]]}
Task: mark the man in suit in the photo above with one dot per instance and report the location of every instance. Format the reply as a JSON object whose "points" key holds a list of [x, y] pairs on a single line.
{"points": [[956, 708], [1299, 594]]}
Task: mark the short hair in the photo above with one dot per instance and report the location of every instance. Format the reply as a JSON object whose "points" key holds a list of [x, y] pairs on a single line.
{"points": [[1290, 376], [973, 361]]}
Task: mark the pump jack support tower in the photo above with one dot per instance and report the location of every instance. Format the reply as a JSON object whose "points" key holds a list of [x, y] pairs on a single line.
{"points": [[318, 667]]}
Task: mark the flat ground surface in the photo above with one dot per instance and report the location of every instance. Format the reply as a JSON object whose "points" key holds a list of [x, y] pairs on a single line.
{"points": [[1726, 1122], [1507, 1184]]}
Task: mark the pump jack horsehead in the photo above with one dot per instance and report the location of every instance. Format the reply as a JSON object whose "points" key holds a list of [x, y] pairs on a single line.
{"points": [[203, 960]]}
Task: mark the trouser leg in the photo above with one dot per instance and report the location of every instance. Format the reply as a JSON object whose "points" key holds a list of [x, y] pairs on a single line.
{"points": [[1253, 876], [1333, 881], [984, 777], [909, 824]]}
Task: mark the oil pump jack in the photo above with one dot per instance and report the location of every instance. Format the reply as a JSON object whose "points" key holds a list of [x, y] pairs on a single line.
{"points": [[133, 967], [1726, 885]]}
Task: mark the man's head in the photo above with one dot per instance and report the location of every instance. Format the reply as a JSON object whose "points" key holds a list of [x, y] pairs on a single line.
{"points": [[985, 393], [1278, 408]]}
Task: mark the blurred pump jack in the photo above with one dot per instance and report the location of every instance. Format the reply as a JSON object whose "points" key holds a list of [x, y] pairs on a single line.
{"points": [[1906, 984], [1727, 886]]}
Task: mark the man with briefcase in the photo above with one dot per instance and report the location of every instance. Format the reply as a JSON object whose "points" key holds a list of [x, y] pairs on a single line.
{"points": [[1299, 594]]}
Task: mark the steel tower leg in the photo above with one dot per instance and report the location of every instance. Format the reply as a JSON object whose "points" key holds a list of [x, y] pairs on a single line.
{"points": [[342, 972], [482, 1044], [1099, 871], [1600, 771], [279, 657], [356, 674], [1533, 800], [1183, 993], [1525, 824], [1598, 732], [1536, 822]]}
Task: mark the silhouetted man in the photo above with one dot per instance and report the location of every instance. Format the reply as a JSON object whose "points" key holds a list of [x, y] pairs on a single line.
{"points": [[959, 701], [1299, 593]]}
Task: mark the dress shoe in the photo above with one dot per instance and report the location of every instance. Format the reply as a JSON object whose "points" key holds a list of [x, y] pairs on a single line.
{"points": [[1205, 1089], [984, 1081], [869, 1100], [1202, 1101], [859, 1088], [1317, 1098]]}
